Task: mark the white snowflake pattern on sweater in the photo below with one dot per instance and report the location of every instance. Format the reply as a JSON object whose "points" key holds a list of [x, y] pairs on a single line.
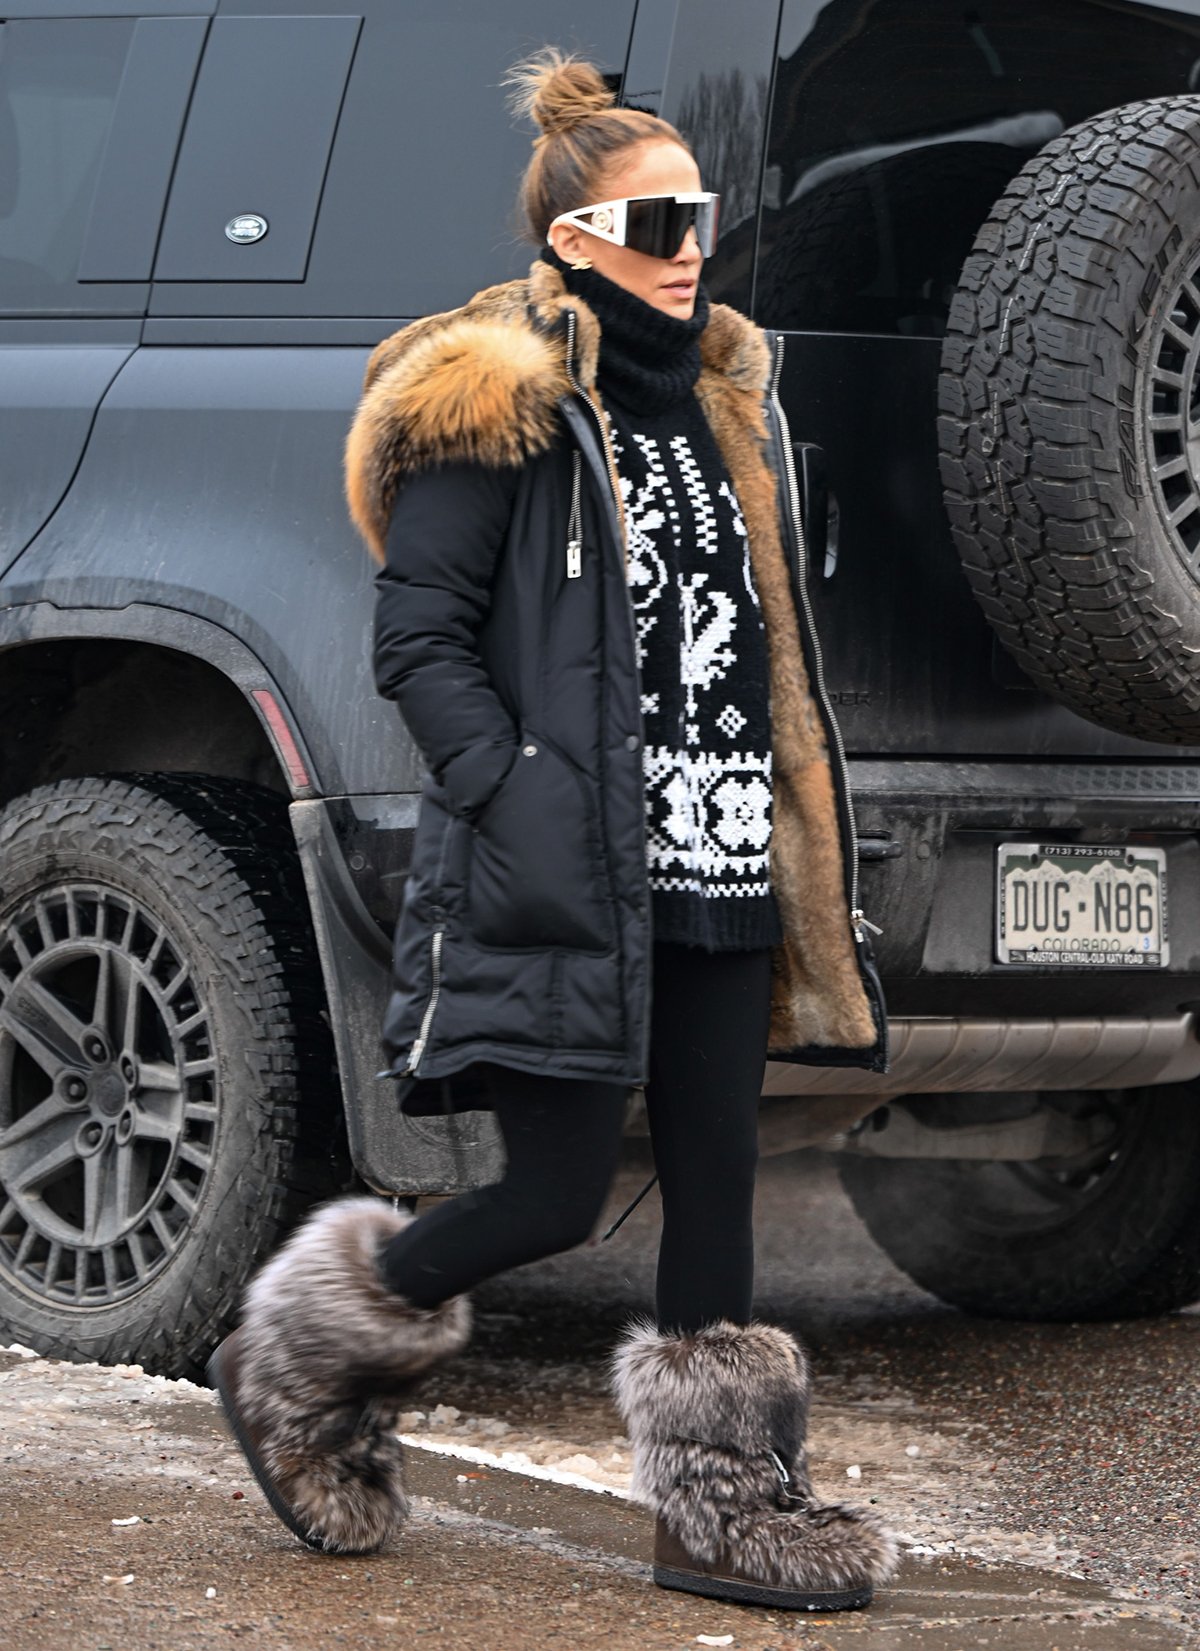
{"points": [[708, 797]]}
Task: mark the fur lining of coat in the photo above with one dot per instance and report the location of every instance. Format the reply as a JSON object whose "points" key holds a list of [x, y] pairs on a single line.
{"points": [[482, 383]]}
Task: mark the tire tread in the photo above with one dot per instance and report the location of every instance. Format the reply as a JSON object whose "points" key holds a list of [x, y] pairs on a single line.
{"points": [[1034, 364]]}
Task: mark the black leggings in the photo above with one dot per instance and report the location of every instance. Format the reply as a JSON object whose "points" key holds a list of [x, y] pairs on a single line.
{"points": [[708, 1039]]}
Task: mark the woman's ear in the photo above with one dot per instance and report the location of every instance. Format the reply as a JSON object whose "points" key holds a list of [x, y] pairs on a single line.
{"points": [[569, 241]]}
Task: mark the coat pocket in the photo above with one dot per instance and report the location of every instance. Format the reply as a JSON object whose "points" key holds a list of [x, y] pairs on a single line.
{"points": [[537, 876]]}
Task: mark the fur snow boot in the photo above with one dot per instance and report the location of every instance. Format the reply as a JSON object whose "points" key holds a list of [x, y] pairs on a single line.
{"points": [[718, 1421], [315, 1375]]}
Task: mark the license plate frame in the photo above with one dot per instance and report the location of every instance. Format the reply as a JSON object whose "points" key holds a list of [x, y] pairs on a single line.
{"points": [[1039, 886]]}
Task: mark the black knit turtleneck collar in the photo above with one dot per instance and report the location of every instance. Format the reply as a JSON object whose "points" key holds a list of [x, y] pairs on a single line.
{"points": [[649, 360]]}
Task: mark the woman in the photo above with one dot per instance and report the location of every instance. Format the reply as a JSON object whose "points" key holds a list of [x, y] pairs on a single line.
{"points": [[587, 614]]}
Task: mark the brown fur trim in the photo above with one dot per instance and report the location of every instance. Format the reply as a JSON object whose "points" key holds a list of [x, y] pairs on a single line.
{"points": [[732, 347], [476, 389], [327, 1353], [708, 1415], [817, 992], [483, 382], [550, 299]]}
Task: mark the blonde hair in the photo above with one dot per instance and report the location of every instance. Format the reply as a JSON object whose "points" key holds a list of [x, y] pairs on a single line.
{"points": [[582, 133]]}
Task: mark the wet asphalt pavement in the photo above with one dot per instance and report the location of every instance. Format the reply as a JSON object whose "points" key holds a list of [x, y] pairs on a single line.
{"points": [[1044, 1479]]}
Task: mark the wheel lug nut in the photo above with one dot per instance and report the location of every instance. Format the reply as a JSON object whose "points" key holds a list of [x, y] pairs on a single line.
{"points": [[94, 1049], [128, 1071], [76, 1089], [92, 1133]]}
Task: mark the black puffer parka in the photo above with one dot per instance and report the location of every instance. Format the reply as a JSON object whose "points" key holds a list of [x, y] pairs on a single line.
{"points": [[477, 459]]}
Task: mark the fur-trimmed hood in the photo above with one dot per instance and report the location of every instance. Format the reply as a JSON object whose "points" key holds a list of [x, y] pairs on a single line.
{"points": [[482, 382]]}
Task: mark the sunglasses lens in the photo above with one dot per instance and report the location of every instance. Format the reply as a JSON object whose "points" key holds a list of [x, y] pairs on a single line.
{"points": [[657, 226]]}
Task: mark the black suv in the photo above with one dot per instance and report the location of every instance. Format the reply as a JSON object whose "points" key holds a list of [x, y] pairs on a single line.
{"points": [[979, 229]]}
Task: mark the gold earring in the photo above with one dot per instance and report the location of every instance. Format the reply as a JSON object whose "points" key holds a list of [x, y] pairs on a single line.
{"points": [[581, 263]]}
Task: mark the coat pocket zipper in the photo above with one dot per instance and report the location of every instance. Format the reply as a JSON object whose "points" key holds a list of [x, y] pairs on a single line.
{"points": [[575, 525], [422, 1038]]}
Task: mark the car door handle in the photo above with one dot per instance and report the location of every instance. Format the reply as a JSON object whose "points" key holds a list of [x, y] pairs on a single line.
{"points": [[818, 510], [878, 848]]}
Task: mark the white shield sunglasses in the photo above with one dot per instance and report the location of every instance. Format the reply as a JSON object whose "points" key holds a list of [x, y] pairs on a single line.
{"points": [[653, 224]]}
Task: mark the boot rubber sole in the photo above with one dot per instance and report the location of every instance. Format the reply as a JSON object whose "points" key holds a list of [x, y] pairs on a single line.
{"points": [[217, 1377], [757, 1593]]}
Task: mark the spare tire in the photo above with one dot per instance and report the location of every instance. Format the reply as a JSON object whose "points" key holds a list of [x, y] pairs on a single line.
{"points": [[1069, 424]]}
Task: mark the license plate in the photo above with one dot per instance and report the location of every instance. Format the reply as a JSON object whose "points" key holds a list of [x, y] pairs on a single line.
{"points": [[1075, 904]]}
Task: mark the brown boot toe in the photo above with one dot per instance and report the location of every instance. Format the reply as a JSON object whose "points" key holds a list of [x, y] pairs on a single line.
{"points": [[723, 1578]]}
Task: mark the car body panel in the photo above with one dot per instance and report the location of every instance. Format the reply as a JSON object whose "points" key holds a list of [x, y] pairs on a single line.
{"points": [[212, 485]]}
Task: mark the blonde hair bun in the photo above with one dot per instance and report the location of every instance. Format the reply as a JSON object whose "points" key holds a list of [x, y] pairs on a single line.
{"points": [[557, 90]]}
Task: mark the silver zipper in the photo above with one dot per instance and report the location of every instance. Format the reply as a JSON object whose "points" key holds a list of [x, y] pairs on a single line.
{"points": [[610, 461], [435, 981], [620, 513], [422, 1038], [612, 469], [575, 525], [857, 920]]}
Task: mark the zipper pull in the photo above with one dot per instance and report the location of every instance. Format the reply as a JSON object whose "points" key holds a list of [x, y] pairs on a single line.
{"points": [[575, 525], [785, 1478], [861, 922]]}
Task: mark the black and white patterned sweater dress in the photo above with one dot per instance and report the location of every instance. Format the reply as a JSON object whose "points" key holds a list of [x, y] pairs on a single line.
{"points": [[702, 648]]}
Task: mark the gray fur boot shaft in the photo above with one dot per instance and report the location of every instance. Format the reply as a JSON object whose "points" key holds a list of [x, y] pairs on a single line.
{"points": [[314, 1377], [718, 1420]]}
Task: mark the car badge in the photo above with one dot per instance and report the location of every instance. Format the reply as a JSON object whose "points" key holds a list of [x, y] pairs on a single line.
{"points": [[246, 228]]}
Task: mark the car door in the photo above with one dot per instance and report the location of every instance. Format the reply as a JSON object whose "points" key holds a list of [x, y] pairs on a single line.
{"points": [[90, 114], [212, 482]]}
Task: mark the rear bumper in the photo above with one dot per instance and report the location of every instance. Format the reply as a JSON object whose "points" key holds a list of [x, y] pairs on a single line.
{"points": [[968, 1055]]}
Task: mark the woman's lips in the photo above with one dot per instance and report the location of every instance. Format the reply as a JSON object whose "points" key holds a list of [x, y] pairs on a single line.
{"points": [[682, 289]]}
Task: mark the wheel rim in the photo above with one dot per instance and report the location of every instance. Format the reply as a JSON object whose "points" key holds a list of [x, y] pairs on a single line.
{"points": [[1173, 418], [108, 1096]]}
